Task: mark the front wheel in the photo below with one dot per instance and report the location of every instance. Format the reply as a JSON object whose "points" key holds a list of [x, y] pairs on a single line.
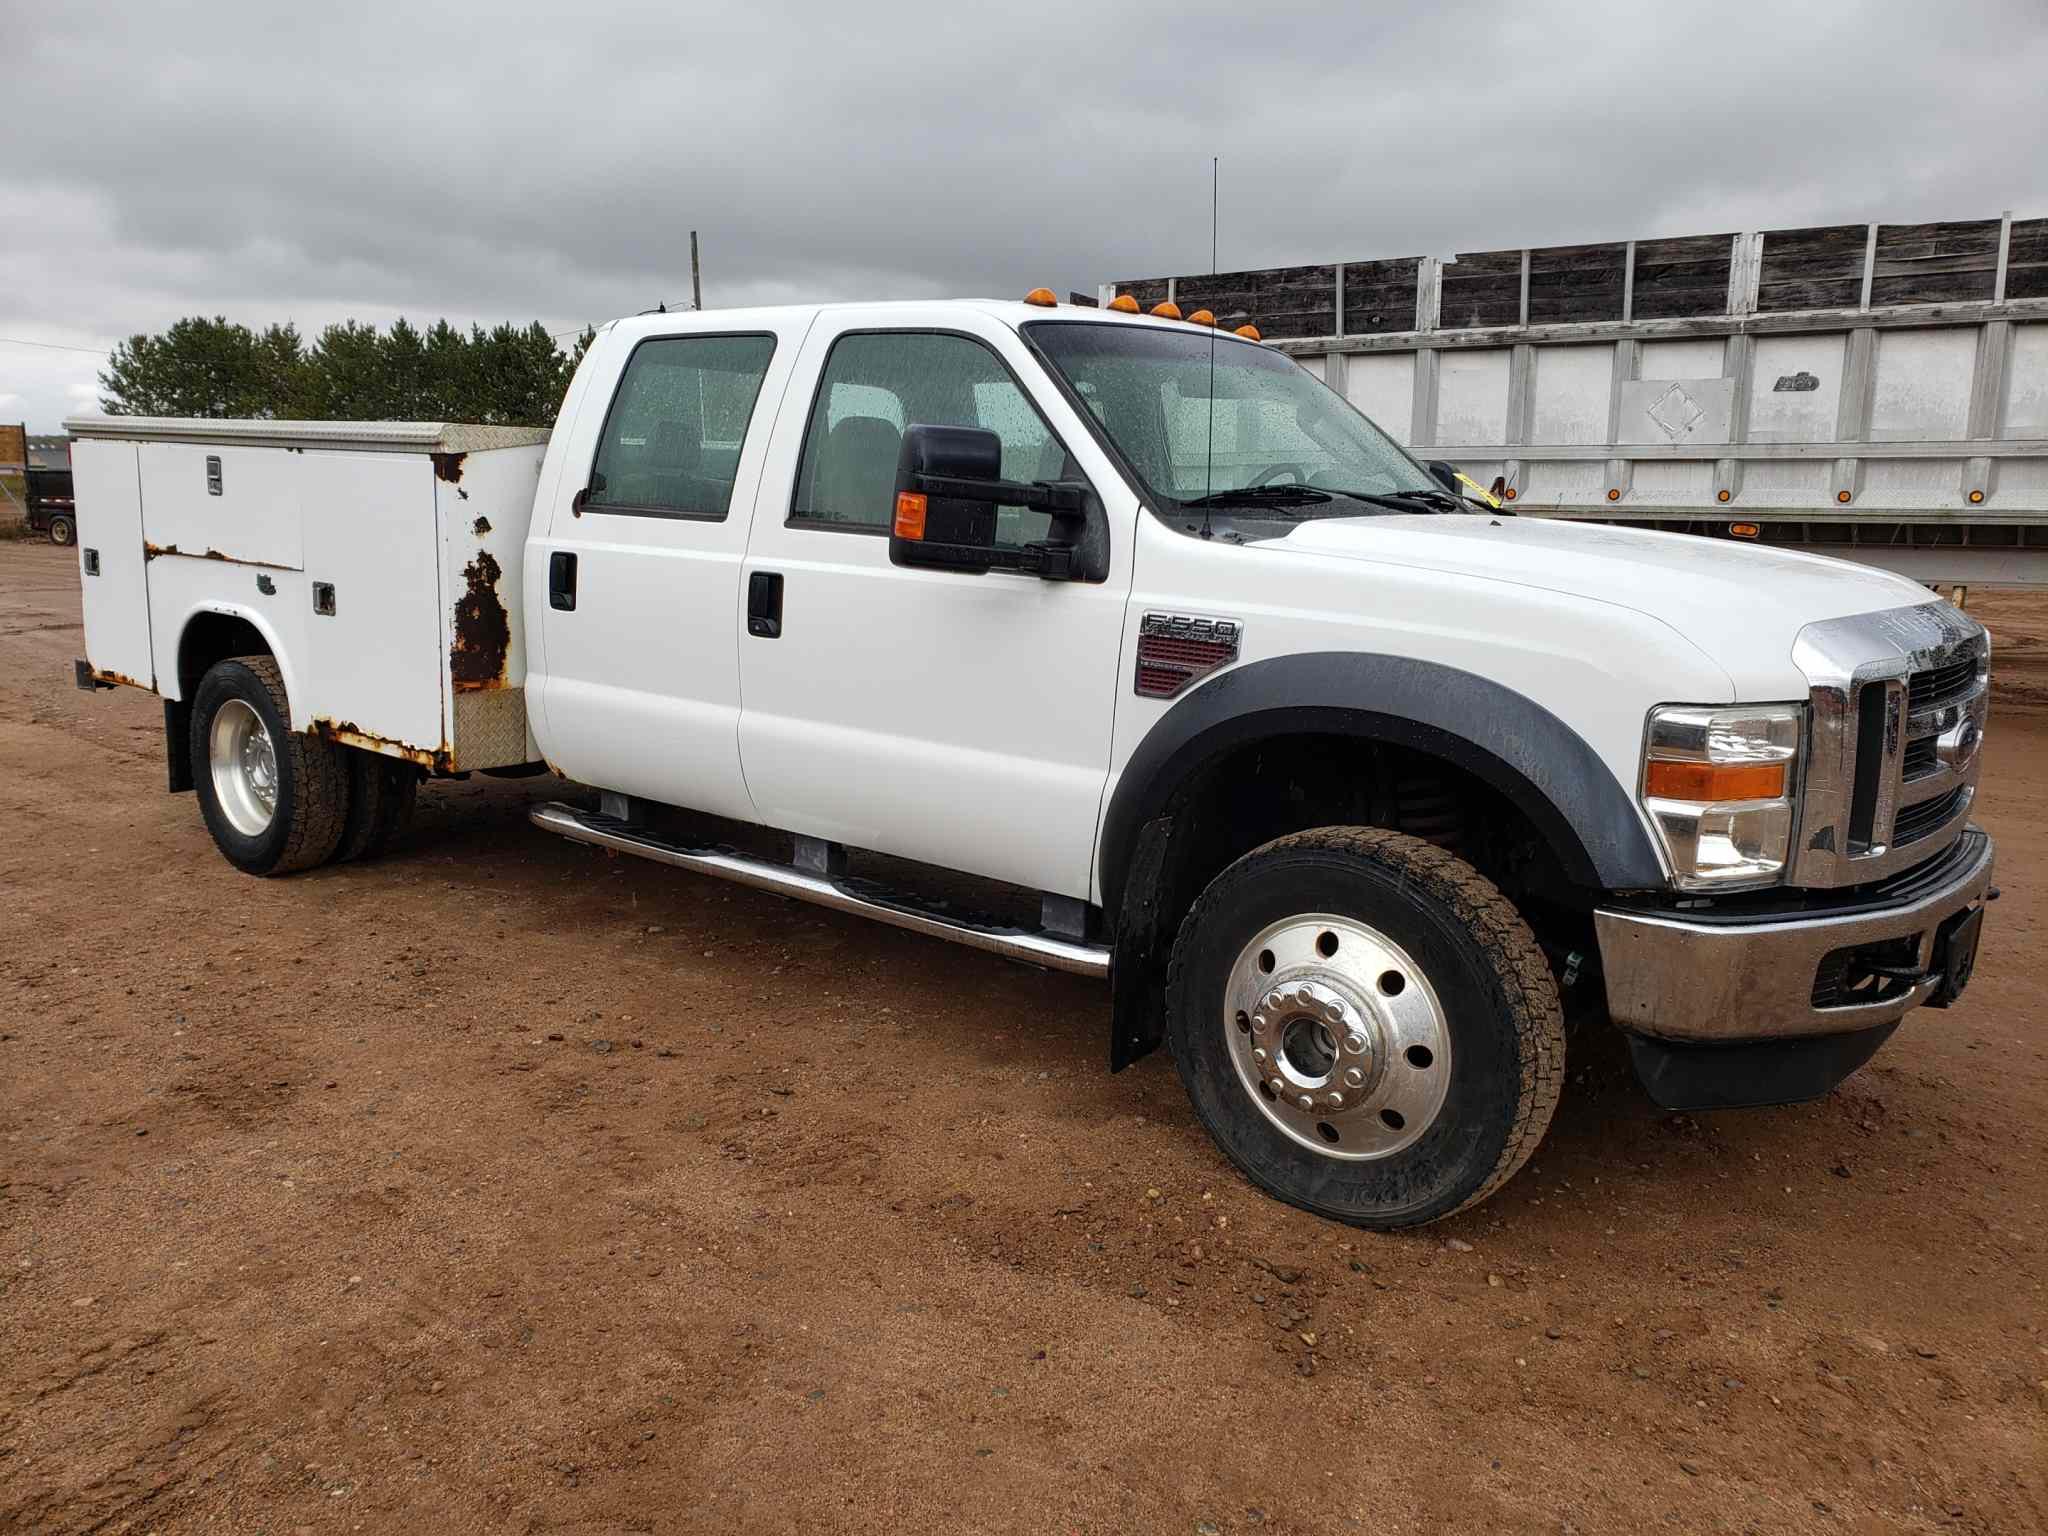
{"points": [[1366, 1026], [63, 532]]}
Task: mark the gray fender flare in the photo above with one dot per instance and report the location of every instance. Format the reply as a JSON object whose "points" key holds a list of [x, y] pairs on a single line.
{"points": [[1511, 742]]}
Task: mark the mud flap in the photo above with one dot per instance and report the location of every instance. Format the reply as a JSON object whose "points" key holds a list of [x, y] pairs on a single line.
{"points": [[1144, 938]]}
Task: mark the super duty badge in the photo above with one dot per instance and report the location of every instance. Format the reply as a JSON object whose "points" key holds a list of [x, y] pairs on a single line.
{"points": [[1175, 650]]}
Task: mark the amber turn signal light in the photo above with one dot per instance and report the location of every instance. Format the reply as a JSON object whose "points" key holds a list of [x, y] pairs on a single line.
{"points": [[1714, 782], [1124, 304], [1166, 310], [909, 515]]}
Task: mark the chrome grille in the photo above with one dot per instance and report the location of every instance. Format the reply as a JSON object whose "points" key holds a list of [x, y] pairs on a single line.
{"points": [[1898, 706]]}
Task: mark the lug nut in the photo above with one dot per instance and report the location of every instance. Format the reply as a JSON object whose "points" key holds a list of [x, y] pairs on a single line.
{"points": [[1258, 1023], [1258, 1053], [1335, 1101], [1355, 1044], [1275, 1084], [1355, 1078], [1306, 1101]]}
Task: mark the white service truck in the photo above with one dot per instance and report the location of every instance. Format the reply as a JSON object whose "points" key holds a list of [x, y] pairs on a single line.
{"points": [[1112, 644]]}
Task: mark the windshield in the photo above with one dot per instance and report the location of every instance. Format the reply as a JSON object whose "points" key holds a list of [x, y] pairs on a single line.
{"points": [[1267, 439]]}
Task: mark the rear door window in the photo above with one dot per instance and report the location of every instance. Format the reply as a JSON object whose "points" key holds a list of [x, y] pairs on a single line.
{"points": [[671, 443]]}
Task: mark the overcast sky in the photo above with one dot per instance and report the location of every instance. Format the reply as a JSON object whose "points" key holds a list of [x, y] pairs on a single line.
{"points": [[520, 161]]}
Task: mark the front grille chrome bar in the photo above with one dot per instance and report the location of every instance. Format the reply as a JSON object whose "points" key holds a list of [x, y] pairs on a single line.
{"points": [[1881, 682]]}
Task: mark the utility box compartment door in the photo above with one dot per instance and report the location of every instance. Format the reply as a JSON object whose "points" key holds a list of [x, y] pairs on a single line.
{"points": [[372, 600], [226, 502], [111, 560]]}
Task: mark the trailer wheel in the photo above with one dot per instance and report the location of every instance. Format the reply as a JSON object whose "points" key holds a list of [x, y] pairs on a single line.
{"points": [[63, 531], [382, 792], [1366, 1026], [274, 799]]}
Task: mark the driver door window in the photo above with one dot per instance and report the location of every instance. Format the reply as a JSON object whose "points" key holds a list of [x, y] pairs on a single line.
{"points": [[874, 385]]}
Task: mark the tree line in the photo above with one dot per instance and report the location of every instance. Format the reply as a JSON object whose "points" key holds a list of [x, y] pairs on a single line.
{"points": [[506, 376]]}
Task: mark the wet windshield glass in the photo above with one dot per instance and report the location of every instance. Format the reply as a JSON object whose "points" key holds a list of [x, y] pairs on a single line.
{"points": [[1265, 440]]}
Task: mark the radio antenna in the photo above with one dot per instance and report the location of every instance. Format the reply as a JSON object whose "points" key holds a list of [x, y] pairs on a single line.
{"points": [[1209, 469]]}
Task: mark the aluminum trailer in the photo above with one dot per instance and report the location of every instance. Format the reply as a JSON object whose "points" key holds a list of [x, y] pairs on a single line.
{"points": [[1878, 392]]}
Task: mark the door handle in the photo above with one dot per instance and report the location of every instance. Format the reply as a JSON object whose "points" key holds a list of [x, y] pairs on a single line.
{"points": [[562, 580], [764, 605]]}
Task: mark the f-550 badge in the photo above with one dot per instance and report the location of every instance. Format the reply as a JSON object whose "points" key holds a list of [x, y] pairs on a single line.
{"points": [[1175, 650]]}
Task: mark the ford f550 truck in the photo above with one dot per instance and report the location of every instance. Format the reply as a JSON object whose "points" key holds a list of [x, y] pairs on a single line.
{"points": [[1146, 650]]}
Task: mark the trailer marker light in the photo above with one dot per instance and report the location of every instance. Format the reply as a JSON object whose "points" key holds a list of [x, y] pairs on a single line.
{"points": [[1841, 495], [1975, 497], [1720, 495], [1042, 297], [1124, 304], [1743, 530], [1511, 493], [1613, 494], [910, 507], [1250, 333], [1166, 309]]}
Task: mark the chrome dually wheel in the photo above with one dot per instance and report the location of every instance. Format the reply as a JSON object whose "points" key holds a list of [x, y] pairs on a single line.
{"points": [[243, 760], [1337, 1036]]}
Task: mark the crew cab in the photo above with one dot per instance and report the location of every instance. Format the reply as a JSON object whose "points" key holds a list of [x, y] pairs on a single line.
{"points": [[1113, 643]]}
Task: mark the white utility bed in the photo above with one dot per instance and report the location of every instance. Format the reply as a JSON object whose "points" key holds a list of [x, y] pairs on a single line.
{"points": [[379, 560]]}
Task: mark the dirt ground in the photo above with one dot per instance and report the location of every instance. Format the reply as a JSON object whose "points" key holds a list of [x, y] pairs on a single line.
{"points": [[502, 1186]]}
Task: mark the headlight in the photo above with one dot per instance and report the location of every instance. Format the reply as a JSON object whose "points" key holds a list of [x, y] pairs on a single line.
{"points": [[1718, 784]]}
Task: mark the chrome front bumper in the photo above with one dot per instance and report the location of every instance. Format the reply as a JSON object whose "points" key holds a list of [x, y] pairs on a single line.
{"points": [[1717, 977]]}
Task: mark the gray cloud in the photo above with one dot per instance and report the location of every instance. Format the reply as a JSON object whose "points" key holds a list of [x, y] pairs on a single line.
{"points": [[522, 161]]}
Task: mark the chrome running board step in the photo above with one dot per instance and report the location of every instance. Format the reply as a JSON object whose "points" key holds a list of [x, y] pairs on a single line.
{"points": [[1023, 944]]}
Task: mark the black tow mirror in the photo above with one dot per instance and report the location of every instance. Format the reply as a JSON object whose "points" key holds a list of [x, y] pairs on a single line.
{"points": [[949, 483]]}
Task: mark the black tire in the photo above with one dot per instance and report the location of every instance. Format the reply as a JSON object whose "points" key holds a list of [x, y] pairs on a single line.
{"points": [[382, 792], [63, 531], [1499, 1006], [311, 778]]}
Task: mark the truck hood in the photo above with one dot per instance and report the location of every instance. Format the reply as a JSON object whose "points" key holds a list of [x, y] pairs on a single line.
{"points": [[1741, 604]]}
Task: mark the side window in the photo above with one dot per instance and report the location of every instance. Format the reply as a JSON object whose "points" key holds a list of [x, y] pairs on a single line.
{"points": [[671, 443], [875, 385]]}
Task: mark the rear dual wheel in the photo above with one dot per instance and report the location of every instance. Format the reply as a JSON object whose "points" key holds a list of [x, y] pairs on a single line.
{"points": [[1366, 1025], [278, 800]]}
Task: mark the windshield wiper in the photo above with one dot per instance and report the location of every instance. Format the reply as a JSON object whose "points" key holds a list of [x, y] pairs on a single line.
{"points": [[1405, 501], [1277, 494]]}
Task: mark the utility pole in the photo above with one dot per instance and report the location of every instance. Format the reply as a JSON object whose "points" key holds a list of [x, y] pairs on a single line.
{"points": [[696, 275]]}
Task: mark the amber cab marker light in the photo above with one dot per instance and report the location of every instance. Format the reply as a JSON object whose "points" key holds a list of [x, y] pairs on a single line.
{"points": [[1042, 297], [1124, 304], [1166, 309], [1250, 333], [1714, 782], [1201, 317], [909, 515], [1743, 530], [1841, 495], [1975, 497]]}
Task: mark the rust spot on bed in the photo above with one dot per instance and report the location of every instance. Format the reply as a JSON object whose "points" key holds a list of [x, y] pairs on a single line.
{"points": [[157, 551], [480, 527], [448, 467], [483, 631], [347, 733]]}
